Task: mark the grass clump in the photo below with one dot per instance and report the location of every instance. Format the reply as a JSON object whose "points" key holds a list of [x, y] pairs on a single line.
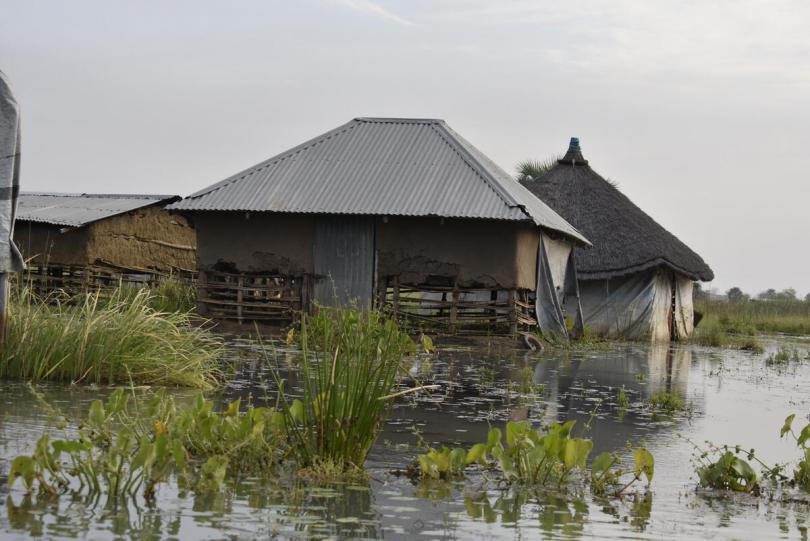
{"points": [[666, 401], [783, 355], [351, 366], [116, 338], [712, 333]]}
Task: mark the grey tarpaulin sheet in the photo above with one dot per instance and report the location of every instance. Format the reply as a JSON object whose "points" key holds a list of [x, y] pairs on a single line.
{"points": [[633, 307], [557, 294], [10, 258]]}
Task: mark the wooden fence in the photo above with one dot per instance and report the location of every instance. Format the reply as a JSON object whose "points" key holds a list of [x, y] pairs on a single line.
{"points": [[250, 297], [74, 280]]}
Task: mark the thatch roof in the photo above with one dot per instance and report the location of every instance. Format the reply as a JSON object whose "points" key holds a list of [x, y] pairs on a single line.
{"points": [[625, 239]]}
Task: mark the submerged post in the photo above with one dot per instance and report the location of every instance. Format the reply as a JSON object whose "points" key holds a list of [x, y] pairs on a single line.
{"points": [[10, 258]]}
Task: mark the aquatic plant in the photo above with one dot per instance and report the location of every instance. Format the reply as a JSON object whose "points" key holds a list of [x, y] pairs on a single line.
{"points": [[549, 457], [712, 333], [622, 400], [666, 401], [130, 445], [801, 475], [351, 366], [730, 467], [783, 355], [113, 339]]}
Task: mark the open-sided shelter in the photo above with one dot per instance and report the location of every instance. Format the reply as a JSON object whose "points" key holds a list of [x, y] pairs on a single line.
{"points": [[75, 241], [400, 214], [636, 282]]}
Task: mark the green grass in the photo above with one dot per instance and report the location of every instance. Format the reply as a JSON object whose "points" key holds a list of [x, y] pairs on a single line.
{"points": [[757, 317], [712, 333], [666, 401], [119, 338], [351, 365]]}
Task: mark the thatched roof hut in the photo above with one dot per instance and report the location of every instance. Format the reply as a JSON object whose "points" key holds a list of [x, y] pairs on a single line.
{"points": [[628, 245]]}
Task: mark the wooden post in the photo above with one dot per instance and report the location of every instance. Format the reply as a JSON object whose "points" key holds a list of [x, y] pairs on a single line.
{"points": [[513, 321], [396, 296], [240, 297], [202, 293], [3, 308], [454, 307]]}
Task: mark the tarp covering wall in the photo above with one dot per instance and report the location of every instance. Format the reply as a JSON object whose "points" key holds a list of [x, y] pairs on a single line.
{"points": [[557, 294], [633, 307], [10, 258], [684, 309]]}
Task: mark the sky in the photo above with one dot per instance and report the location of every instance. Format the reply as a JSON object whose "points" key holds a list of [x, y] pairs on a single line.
{"points": [[698, 109]]}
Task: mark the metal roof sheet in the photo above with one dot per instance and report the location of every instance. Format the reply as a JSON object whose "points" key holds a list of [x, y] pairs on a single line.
{"points": [[76, 210], [381, 166]]}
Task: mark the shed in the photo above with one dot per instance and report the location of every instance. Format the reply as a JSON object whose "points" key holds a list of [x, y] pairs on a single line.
{"points": [[398, 214], [636, 282], [72, 241]]}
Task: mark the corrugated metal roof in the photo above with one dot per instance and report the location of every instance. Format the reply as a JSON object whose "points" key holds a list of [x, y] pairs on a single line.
{"points": [[381, 166], [76, 210]]}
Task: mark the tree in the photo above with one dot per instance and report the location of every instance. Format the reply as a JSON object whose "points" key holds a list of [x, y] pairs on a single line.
{"points": [[767, 295], [788, 294], [807, 298], [530, 170], [735, 294], [698, 293]]}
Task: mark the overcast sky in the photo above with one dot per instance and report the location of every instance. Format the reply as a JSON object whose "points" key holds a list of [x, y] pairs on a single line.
{"points": [[700, 110]]}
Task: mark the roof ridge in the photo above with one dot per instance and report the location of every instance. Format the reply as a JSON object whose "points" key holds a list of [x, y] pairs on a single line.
{"points": [[155, 197], [450, 137], [398, 120]]}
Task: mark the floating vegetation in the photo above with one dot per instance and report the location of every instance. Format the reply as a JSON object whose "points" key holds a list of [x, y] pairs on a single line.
{"points": [[351, 365], [115, 338], [784, 355], [730, 468], [666, 401], [129, 445], [622, 400], [549, 457]]}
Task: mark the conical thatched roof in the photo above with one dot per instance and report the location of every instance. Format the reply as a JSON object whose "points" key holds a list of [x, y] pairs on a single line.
{"points": [[625, 239]]}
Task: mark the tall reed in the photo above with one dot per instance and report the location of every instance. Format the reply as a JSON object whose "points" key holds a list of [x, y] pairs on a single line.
{"points": [[351, 366], [116, 338]]}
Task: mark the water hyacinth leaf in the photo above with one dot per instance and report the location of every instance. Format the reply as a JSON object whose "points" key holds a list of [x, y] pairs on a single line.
{"points": [[644, 463], [457, 457], [96, 416], [494, 438], [427, 344], [24, 467], [297, 410], [233, 408], [788, 423], [476, 454], [804, 435], [602, 463], [744, 470], [576, 452]]}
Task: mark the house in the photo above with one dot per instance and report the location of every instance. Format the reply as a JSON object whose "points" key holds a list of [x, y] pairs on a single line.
{"points": [[399, 214], [76, 241], [636, 281]]}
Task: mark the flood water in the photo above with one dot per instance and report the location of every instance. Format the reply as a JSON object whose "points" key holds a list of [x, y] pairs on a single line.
{"points": [[732, 397]]}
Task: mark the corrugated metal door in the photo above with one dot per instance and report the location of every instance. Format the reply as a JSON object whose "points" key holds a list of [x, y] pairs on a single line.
{"points": [[344, 261]]}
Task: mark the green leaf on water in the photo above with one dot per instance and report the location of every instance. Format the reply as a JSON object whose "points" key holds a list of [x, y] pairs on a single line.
{"points": [[477, 453], [25, 467], [644, 462], [601, 463], [787, 425], [297, 411], [96, 416]]}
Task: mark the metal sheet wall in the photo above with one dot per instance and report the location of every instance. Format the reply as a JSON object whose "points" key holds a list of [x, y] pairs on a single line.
{"points": [[344, 261]]}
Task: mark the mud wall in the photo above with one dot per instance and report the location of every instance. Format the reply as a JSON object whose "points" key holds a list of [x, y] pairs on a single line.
{"points": [[255, 242], [46, 244], [146, 238], [479, 253]]}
